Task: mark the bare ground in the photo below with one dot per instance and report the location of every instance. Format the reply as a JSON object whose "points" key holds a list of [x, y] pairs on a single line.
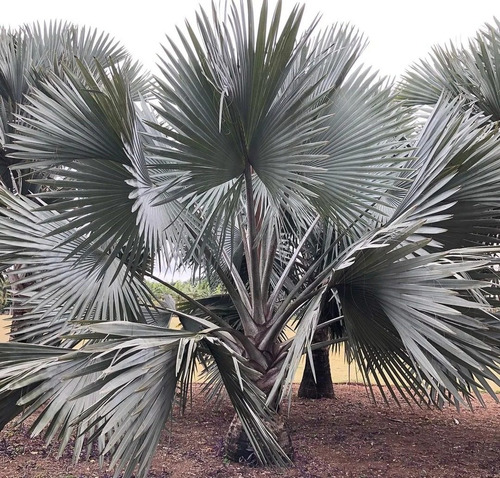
{"points": [[345, 437]]}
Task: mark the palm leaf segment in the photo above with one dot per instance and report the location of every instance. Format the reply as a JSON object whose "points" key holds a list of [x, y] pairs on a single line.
{"points": [[60, 279], [410, 319]]}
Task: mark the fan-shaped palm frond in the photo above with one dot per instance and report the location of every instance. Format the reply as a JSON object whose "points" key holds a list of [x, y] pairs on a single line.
{"points": [[32, 53], [100, 175], [454, 183], [61, 280], [120, 390], [410, 321], [260, 101], [473, 72], [425, 81]]}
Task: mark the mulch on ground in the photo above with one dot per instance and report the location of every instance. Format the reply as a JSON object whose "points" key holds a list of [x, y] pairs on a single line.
{"points": [[345, 437]]}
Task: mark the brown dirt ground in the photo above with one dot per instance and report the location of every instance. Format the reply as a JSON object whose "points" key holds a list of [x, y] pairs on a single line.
{"points": [[345, 437]]}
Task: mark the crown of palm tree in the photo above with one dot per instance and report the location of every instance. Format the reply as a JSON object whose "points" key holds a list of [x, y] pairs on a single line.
{"points": [[263, 157]]}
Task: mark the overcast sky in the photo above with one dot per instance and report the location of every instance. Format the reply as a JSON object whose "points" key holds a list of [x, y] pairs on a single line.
{"points": [[399, 31]]}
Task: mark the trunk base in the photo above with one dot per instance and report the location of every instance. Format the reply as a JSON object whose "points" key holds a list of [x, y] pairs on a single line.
{"points": [[239, 449]]}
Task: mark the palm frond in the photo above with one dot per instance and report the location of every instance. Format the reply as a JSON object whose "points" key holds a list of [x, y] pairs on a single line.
{"points": [[56, 46], [411, 321], [58, 280], [120, 390], [425, 81], [137, 369], [99, 175], [361, 163], [242, 96], [472, 72], [482, 62], [32, 53], [455, 177]]}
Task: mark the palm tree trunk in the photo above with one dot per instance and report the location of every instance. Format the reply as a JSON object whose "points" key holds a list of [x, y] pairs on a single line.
{"points": [[239, 449], [15, 312], [322, 387]]}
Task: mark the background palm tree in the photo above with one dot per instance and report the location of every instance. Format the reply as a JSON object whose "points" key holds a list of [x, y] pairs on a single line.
{"points": [[471, 71], [29, 56], [32, 53], [256, 139]]}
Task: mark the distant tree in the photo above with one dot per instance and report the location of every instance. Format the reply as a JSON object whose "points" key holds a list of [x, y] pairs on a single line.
{"points": [[197, 289]]}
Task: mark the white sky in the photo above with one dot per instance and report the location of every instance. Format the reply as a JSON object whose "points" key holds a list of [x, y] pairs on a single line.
{"points": [[400, 32]]}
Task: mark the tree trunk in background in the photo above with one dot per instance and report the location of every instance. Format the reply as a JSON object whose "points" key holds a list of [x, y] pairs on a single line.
{"points": [[323, 386], [15, 288]]}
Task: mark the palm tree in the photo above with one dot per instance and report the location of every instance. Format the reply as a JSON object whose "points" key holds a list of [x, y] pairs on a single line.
{"points": [[256, 140], [471, 71], [28, 56]]}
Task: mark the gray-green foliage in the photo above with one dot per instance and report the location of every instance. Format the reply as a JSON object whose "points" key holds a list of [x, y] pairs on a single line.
{"points": [[32, 54], [270, 163], [471, 71]]}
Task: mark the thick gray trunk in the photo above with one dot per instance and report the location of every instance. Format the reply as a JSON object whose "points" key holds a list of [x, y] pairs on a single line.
{"points": [[239, 449], [322, 387]]}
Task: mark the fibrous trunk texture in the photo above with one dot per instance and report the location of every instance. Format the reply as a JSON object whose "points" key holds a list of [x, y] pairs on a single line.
{"points": [[16, 312], [239, 449]]}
